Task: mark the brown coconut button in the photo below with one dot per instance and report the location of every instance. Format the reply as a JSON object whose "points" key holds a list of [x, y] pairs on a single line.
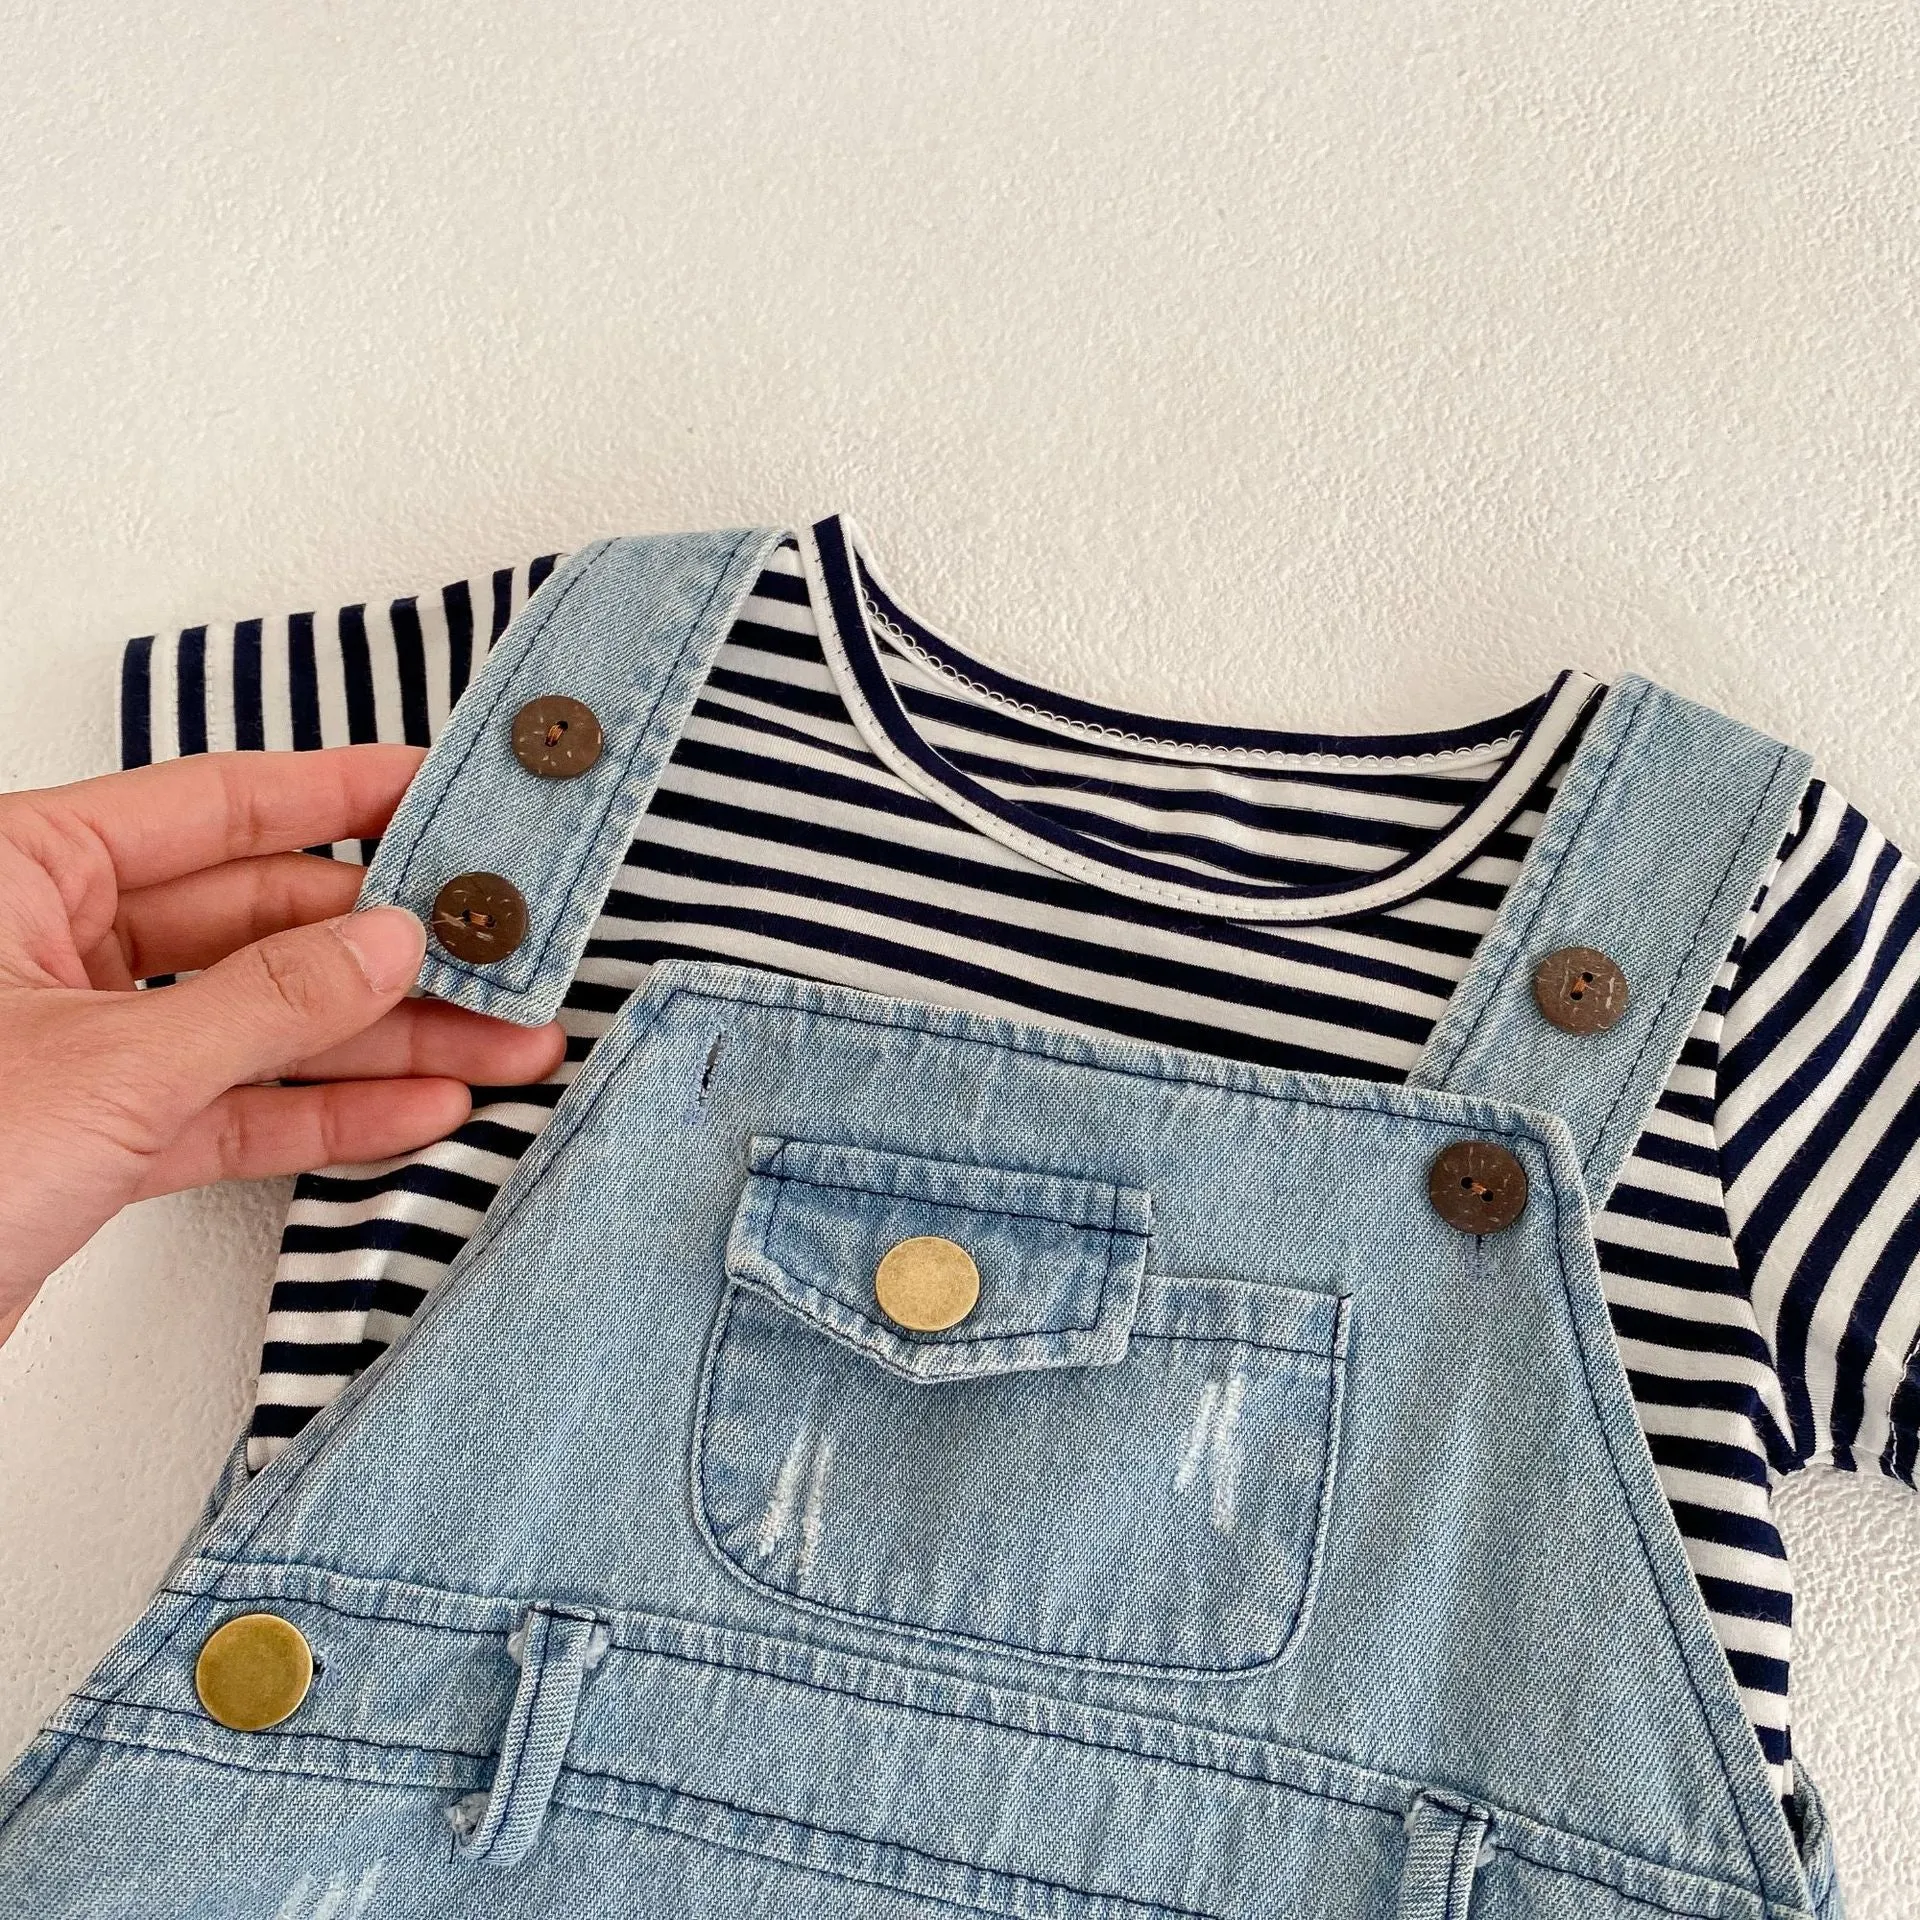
{"points": [[253, 1671], [1477, 1186], [556, 737], [926, 1284], [479, 917], [1580, 989]]}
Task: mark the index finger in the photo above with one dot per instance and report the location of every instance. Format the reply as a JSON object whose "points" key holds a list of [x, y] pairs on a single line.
{"points": [[157, 823]]}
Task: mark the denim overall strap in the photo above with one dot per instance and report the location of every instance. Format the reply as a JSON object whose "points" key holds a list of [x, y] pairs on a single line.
{"points": [[1651, 851], [629, 627]]}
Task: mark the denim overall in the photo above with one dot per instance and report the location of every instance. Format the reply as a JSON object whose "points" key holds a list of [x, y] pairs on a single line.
{"points": [[1259, 1545]]}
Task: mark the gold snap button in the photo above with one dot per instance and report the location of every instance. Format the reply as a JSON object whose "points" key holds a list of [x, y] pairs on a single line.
{"points": [[479, 917], [253, 1671], [1581, 989], [926, 1284], [556, 737], [1477, 1186]]}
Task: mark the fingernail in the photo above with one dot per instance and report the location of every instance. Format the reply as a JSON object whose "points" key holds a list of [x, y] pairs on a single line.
{"points": [[388, 942]]}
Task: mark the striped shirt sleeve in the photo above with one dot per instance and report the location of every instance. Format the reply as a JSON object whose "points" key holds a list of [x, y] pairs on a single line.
{"points": [[367, 671], [1818, 1128], [300, 680]]}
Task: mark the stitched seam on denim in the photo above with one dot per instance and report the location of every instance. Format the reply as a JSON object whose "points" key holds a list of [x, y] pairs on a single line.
{"points": [[1499, 1846], [1225, 1770], [648, 1650], [845, 1875], [644, 739], [1329, 1464], [1553, 862], [1234, 1340], [282, 1732], [1742, 841], [95, 1737], [944, 1636], [1640, 1900], [988, 1339], [265, 1766], [1106, 1273], [1501, 1839], [736, 1849], [970, 1206], [328, 1606], [1161, 1289], [967, 1718], [1652, 1565], [58, 1741], [165, 1641], [775, 1818], [1328, 1104], [919, 1168]]}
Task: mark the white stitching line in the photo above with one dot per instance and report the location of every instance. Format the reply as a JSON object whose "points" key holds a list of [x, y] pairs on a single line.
{"points": [[1093, 729]]}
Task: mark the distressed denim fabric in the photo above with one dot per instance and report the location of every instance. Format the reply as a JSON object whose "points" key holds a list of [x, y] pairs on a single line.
{"points": [[1260, 1545]]}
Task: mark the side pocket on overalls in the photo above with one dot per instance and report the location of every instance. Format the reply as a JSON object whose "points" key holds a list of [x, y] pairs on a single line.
{"points": [[556, 1648], [1445, 1848]]}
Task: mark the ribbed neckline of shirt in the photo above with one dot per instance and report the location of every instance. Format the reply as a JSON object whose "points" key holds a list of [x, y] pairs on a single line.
{"points": [[862, 622]]}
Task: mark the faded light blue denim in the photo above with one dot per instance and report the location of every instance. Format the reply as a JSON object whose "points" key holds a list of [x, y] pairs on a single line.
{"points": [[1260, 1546]]}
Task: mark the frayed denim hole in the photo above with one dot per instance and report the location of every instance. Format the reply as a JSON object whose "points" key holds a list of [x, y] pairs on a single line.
{"points": [[465, 1815], [695, 1111]]}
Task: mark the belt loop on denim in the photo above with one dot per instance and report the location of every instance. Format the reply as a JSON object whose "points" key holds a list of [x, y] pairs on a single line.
{"points": [[1445, 1845], [556, 1648]]}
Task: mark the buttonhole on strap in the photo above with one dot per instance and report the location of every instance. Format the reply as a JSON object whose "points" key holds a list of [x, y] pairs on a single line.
{"points": [[1446, 1847], [556, 1648]]}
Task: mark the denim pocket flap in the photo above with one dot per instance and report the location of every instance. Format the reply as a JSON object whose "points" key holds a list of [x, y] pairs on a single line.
{"points": [[1060, 1258]]}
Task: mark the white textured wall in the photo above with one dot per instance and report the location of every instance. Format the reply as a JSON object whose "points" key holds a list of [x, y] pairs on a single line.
{"points": [[1349, 363]]}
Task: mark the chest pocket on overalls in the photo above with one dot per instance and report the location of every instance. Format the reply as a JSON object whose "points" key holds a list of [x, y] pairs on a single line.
{"points": [[953, 1399]]}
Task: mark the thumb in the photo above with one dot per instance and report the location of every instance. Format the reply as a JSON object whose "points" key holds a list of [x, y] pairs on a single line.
{"points": [[292, 994]]}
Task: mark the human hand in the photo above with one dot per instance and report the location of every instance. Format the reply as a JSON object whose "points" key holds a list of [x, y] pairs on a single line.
{"points": [[109, 1095]]}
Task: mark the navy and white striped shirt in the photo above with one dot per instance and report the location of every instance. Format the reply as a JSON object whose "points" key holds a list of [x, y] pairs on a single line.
{"points": [[856, 800]]}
